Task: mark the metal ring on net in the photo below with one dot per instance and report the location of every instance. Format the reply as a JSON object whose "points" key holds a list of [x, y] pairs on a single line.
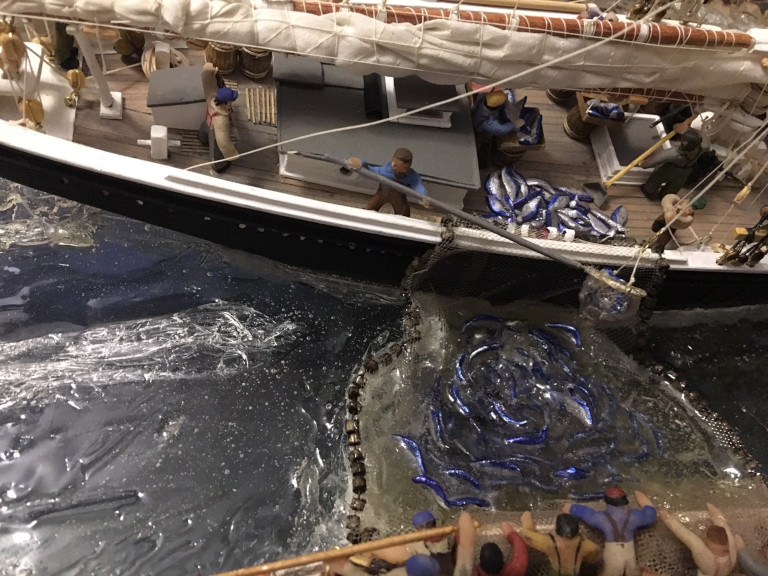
{"points": [[616, 283]]}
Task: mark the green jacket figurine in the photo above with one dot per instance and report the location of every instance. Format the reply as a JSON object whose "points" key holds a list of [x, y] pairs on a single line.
{"points": [[673, 166]]}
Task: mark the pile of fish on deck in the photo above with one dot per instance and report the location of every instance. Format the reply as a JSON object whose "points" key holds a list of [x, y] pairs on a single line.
{"points": [[518, 200]]}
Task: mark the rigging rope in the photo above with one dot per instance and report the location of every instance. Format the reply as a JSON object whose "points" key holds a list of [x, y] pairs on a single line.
{"points": [[507, 80]]}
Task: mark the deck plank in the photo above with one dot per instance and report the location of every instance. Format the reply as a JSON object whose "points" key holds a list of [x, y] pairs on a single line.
{"points": [[562, 162]]}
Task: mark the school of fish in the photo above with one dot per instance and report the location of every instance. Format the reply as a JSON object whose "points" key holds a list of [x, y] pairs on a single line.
{"points": [[517, 410]]}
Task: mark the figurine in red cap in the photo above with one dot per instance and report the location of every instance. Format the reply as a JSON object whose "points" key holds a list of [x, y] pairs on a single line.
{"points": [[215, 129], [618, 523]]}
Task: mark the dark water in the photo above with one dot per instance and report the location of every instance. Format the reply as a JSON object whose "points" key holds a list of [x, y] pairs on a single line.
{"points": [[169, 406], [723, 356]]}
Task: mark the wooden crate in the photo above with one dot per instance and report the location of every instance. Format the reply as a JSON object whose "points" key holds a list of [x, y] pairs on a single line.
{"points": [[509, 143], [581, 101]]}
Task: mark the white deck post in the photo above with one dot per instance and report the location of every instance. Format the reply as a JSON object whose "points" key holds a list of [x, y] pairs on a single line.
{"points": [[111, 102]]}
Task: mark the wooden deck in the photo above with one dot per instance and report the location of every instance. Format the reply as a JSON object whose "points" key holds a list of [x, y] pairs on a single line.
{"points": [[562, 162]]}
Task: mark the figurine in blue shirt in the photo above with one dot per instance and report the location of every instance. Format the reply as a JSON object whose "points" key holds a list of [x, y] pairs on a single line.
{"points": [[618, 523], [491, 119], [398, 169]]}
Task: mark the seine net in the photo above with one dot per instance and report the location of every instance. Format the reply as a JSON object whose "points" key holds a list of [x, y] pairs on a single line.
{"points": [[515, 389], [455, 272]]}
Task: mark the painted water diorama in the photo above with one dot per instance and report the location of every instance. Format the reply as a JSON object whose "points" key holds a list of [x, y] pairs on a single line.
{"points": [[536, 179], [172, 406]]}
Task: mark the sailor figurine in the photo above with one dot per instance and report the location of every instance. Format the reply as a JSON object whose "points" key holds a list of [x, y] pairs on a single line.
{"points": [[398, 169], [12, 51], [677, 215], [492, 559], [673, 166], [217, 119], [566, 549], [491, 119], [618, 523], [435, 552], [32, 114], [715, 552]]}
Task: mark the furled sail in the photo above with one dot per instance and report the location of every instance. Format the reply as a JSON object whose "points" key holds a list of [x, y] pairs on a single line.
{"points": [[450, 46]]}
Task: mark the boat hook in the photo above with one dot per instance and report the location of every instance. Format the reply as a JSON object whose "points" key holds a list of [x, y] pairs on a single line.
{"points": [[345, 552]]}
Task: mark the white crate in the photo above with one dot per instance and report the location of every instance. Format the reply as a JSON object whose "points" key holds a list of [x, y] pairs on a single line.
{"points": [[176, 97], [632, 138]]}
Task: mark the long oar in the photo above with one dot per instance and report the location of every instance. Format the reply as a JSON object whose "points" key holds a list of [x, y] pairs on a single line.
{"points": [[602, 187], [345, 552], [482, 223]]}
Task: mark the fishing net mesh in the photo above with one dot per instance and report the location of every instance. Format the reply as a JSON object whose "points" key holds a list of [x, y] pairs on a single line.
{"points": [[454, 272], [449, 274]]}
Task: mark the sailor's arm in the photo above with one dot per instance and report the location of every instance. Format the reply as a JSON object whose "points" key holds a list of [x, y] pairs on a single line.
{"points": [[492, 126], [719, 520], [660, 157], [221, 129], [465, 546], [394, 554], [415, 183], [208, 78], [540, 542], [702, 555], [520, 557]]}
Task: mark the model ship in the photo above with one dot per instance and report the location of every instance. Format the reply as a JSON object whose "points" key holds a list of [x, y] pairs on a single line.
{"points": [[357, 79]]}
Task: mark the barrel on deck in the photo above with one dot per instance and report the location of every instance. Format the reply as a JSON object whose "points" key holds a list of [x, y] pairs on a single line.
{"points": [[196, 43], [575, 126], [561, 97], [506, 157], [223, 56], [255, 63]]}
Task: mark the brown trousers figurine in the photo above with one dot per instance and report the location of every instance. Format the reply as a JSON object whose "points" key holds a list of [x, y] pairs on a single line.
{"points": [[386, 195]]}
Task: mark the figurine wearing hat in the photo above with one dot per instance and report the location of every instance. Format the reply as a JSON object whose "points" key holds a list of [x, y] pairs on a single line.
{"points": [[438, 547], [618, 523], [492, 116], [219, 100]]}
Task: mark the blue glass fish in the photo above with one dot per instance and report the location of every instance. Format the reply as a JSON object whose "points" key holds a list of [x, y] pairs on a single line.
{"points": [[414, 449]]}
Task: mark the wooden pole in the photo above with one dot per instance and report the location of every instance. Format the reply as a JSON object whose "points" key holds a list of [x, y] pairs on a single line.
{"points": [[645, 154], [565, 26], [345, 552], [548, 5]]}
